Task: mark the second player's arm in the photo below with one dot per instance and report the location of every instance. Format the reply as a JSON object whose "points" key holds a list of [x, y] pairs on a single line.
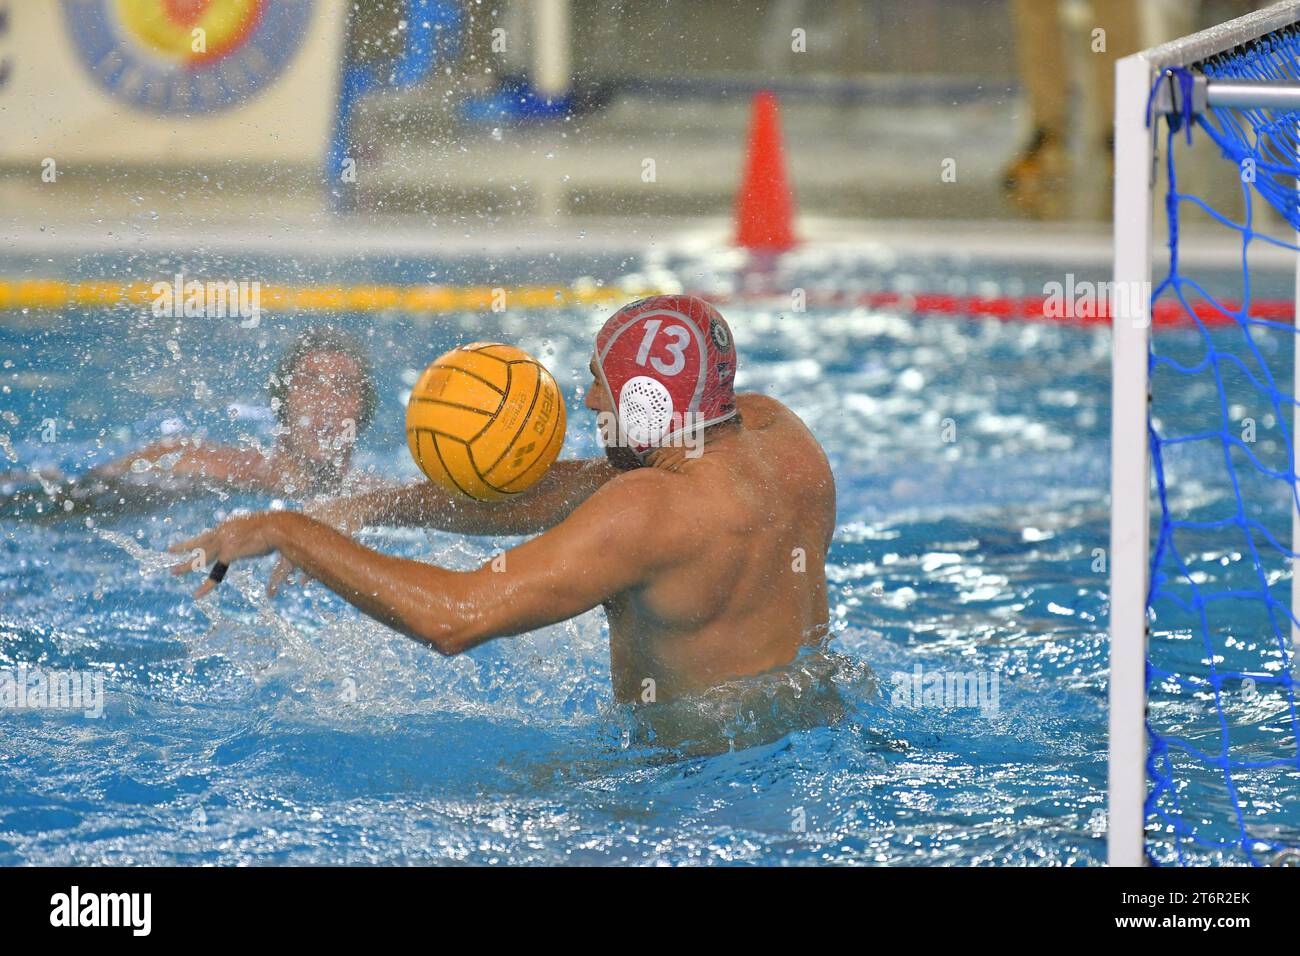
{"points": [[190, 457], [565, 486]]}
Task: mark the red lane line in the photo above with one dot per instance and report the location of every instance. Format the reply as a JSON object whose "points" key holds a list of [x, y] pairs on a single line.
{"points": [[1029, 308]]}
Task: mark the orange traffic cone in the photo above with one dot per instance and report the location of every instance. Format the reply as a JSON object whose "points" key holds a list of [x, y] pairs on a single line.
{"points": [[764, 205]]}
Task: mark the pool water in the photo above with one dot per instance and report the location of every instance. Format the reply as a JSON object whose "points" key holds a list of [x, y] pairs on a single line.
{"points": [[971, 458]]}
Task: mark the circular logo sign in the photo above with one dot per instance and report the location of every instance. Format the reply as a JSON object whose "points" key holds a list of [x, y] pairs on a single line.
{"points": [[186, 56], [719, 333]]}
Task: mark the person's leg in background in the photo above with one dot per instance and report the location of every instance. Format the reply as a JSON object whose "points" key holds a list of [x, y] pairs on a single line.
{"points": [[1121, 21], [1162, 20], [1038, 172]]}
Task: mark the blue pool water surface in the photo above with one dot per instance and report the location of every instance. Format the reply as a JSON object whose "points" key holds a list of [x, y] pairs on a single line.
{"points": [[971, 459]]}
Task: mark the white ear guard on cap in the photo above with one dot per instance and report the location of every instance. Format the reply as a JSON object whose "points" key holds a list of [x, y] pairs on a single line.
{"points": [[645, 410]]}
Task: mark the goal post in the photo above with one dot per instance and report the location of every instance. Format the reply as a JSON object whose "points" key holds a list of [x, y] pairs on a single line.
{"points": [[1139, 146], [1130, 464]]}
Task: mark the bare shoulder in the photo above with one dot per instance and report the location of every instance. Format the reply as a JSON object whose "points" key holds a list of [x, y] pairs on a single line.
{"points": [[759, 410], [763, 413], [639, 511], [636, 494], [790, 448]]}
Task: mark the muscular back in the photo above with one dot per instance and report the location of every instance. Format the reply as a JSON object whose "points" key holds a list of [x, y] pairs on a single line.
{"points": [[712, 571], [748, 524]]}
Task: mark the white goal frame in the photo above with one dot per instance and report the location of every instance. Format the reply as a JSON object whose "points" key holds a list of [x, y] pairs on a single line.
{"points": [[1136, 153]]}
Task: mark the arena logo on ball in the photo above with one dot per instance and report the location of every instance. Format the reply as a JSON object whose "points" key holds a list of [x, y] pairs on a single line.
{"points": [[168, 57]]}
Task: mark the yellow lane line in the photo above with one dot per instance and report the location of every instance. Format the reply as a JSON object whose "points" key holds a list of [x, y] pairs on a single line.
{"points": [[55, 294]]}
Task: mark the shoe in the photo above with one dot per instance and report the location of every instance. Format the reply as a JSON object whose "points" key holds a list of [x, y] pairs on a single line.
{"points": [[1036, 179]]}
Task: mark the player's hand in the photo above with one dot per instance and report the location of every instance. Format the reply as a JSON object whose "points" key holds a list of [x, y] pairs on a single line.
{"points": [[338, 513], [669, 459], [249, 536]]}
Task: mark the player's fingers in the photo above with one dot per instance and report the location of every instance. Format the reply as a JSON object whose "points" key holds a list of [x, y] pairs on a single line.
{"points": [[198, 560], [201, 550], [205, 588], [670, 459], [194, 543]]}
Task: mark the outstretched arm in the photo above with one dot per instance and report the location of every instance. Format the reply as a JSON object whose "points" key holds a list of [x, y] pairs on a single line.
{"points": [[565, 486], [190, 457], [608, 545]]}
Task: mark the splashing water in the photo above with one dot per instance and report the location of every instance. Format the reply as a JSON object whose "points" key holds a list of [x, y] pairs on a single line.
{"points": [[970, 458]]}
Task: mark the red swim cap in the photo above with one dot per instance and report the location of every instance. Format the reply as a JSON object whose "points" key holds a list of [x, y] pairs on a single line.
{"points": [[667, 363]]}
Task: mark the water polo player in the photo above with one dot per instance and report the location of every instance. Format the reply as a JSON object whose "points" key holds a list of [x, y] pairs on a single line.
{"points": [[708, 560], [323, 395]]}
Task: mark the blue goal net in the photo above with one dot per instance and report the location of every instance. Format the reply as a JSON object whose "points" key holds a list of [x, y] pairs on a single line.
{"points": [[1223, 766]]}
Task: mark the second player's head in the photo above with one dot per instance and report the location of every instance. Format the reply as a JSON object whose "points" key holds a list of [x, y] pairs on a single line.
{"points": [[324, 394]]}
